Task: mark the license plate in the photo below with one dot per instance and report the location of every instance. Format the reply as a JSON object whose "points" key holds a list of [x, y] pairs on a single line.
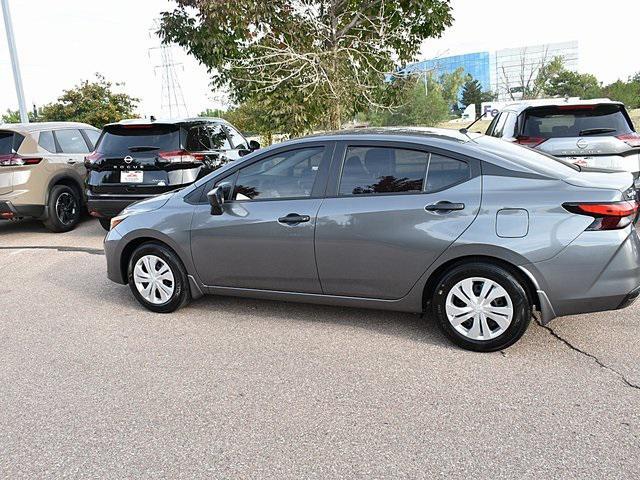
{"points": [[132, 176]]}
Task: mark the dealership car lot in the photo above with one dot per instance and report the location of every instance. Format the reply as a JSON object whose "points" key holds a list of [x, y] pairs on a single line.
{"points": [[94, 385]]}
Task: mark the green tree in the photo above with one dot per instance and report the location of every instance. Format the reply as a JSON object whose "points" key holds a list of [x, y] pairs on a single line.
{"points": [[329, 57], [472, 94], [451, 83], [13, 116], [213, 113], [626, 92], [567, 83], [94, 103]]}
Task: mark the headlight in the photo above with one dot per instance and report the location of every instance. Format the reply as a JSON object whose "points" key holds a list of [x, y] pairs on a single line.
{"points": [[115, 221]]}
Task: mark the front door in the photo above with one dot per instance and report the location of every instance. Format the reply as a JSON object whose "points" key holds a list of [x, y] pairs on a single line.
{"points": [[264, 238], [395, 210]]}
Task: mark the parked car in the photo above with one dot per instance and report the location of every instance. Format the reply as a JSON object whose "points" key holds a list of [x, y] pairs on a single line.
{"points": [[137, 159], [476, 230], [591, 133], [42, 171]]}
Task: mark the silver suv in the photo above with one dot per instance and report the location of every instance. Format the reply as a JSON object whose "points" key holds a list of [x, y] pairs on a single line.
{"points": [[590, 133], [477, 231]]}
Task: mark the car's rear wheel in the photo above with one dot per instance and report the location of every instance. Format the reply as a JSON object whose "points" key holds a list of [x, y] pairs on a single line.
{"points": [[63, 209], [105, 223], [158, 279], [481, 307]]}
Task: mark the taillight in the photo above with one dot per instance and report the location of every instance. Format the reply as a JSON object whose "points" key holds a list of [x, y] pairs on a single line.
{"points": [[607, 216], [530, 142], [92, 158], [15, 160], [631, 139], [181, 156]]}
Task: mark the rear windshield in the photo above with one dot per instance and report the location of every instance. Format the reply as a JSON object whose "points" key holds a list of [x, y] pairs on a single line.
{"points": [[575, 121], [122, 140], [9, 142]]}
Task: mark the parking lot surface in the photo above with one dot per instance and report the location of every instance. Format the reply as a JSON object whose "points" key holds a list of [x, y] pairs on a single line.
{"points": [[93, 386]]}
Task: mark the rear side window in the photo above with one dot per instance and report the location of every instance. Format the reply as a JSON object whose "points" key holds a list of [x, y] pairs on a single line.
{"points": [[122, 140], [93, 136], [444, 172], [10, 142], [71, 141], [47, 142], [575, 121], [203, 138], [370, 170]]}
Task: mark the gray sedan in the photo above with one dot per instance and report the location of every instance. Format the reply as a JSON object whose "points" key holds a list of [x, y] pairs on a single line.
{"points": [[480, 233]]}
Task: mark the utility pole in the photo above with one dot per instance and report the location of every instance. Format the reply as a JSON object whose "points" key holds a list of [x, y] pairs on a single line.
{"points": [[17, 78]]}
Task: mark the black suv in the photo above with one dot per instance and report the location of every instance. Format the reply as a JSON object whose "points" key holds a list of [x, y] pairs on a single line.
{"points": [[137, 159]]}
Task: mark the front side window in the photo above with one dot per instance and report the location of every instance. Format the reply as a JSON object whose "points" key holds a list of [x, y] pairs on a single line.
{"points": [[71, 141], [237, 140], [47, 142], [370, 170], [289, 174]]}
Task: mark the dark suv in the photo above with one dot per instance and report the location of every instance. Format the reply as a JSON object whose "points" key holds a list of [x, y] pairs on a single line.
{"points": [[137, 159]]}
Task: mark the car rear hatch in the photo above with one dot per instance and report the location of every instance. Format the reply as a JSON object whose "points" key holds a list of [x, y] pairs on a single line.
{"points": [[139, 159], [9, 144], [594, 135]]}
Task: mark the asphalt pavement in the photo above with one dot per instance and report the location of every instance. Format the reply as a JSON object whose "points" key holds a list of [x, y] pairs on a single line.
{"points": [[94, 386]]}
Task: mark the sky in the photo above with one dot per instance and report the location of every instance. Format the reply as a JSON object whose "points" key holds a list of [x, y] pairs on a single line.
{"points": [[62, 42]]}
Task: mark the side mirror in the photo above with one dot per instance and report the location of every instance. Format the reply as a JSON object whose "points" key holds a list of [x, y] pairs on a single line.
{"points": [[253, 145], [217, 196]]}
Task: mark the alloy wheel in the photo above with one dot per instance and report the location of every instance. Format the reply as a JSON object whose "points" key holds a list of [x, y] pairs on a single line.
{"points": [[66, 208]]}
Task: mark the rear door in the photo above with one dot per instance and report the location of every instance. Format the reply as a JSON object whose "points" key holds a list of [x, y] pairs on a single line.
{"points": [[71, 149], [392, 210], [590, 135]]}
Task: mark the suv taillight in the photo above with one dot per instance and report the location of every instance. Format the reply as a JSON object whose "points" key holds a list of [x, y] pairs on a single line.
{"points": [[181, 156], [530, 142], [15, 160], [92, 158], [631, 139], [607, 216]]}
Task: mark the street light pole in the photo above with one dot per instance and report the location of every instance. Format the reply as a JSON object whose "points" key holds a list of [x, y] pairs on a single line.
{"points": [[17, 78]]}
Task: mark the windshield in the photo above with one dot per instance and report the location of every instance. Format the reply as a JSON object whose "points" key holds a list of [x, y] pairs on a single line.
{"points": [[123, 140], [575, 121]]}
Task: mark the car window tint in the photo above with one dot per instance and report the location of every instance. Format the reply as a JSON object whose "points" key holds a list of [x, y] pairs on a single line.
{"points": [[370, 170], [499, 127], [46, 141], [120, 139], [93, 136], [575, 120], [207, 137], [10, 142], [71, 141], [445, 172], [289, 174], [237, 140]]}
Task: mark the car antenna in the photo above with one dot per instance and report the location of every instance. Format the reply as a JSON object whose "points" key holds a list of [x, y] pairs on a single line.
{"points": [[465, 130]]}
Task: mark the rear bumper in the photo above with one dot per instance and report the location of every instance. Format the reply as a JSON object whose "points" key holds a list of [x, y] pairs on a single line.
{"points": [[599, 271], [110, 206], [9, 211]]}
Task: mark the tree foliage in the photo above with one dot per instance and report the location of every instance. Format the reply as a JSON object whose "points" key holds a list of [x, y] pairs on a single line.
{"points": [[13, 116], [92, 102], [473, 94], [318, 61], [627, 92], [567, 83]]}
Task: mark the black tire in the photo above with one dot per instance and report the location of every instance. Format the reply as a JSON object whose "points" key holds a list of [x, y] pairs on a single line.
{"points": [[105, 223], [181, 294], [520, 302], [63, 210]]}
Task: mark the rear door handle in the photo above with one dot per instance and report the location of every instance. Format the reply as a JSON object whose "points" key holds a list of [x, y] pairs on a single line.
{"points": [[444, 207], [294, 218]]}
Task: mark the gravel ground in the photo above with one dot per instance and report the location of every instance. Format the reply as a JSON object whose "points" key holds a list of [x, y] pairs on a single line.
{"points": [[93, 386]]}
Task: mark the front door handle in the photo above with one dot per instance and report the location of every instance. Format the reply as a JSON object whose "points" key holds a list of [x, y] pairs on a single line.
{"points": [[294, 219], [444, 207], [71, 161]]}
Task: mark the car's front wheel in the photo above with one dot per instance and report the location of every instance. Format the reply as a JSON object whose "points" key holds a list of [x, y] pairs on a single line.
{"points": [[481, 307], [158, 279], [63, 209]]}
